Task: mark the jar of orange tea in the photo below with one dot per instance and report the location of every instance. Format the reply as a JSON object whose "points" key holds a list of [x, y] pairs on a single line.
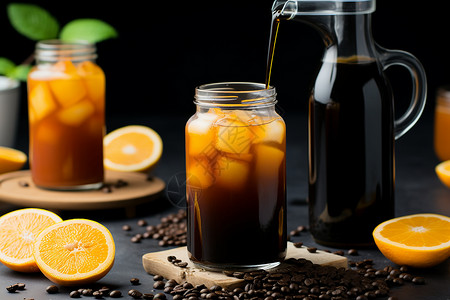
{"points": [[442, 123], [66, 106]]}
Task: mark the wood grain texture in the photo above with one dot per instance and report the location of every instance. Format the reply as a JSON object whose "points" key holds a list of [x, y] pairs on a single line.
{"points": [[138, 190], [157, 263]]}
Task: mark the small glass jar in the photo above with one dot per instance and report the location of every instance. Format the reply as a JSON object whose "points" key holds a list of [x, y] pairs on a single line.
{"points": [[236, 178], [442, 123], [66, 109]]}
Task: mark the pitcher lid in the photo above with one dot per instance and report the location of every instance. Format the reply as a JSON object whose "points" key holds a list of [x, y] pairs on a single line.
{"points": [[324, 7]]}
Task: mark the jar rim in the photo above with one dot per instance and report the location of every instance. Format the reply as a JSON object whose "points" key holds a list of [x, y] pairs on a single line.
{"points": [[54, 50], [235, 94]]}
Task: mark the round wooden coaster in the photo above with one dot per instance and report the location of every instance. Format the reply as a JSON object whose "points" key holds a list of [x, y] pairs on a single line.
{"points": [[139, 189]]}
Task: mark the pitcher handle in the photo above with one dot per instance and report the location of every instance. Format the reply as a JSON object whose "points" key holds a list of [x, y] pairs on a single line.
{"points": [[419, 86]]}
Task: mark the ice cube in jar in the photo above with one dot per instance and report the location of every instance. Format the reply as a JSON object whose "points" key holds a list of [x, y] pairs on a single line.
{"points": [[41, 101], [272, 131], [269, 161], [201, 134], [231, 173], [233, 135], [76, 114], [199, 174]]}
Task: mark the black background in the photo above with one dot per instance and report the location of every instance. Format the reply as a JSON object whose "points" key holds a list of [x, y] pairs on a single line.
{"points": [[167, 48]]}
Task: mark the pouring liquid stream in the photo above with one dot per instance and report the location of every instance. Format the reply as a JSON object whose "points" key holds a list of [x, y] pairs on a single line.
{"points": [[272, 42]]}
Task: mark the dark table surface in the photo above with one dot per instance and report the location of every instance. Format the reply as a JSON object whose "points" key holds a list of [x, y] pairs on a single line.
{"points": [[418, 190]]}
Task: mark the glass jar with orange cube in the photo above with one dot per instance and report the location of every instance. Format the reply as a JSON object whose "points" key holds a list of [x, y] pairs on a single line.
{"points": [[442, 123], [66, 108], [236, 178]]}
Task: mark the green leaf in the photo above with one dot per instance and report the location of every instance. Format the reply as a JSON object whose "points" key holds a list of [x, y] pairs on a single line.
{"points": [[6, 65], [90, 30], [33, 21], [20, 72]]}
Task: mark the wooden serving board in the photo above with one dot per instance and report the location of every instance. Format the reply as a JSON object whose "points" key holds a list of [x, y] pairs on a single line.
{"points": [[137, 191], [157, 263]]}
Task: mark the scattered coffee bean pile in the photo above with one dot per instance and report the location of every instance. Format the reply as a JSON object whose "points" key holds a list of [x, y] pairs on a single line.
{"points": [[171, 231], [109, 187], [300, 280], [15, 287], [177, 262]]}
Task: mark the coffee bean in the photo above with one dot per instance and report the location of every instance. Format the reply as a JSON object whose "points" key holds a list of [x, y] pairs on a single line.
{"points": [[158, 278], [120, 183], [115, 294], [353, 252], [159, 285], [160, 296], [20, 286], [107, 188], [134, 281], [11, 288], [126, 227], [87, 292], [406, 277], [298, 245], [97, 295], [418, 280], [339, 252], [142, 223], [171, 283], [182, 264], [52, 289], [104, 290], [23, 183], [135, 294], [74, 294], [135, 239], [312, 249], [149, 296]]}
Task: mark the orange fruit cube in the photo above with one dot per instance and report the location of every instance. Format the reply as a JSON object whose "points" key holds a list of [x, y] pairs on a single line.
{"points": [[41, 101]]}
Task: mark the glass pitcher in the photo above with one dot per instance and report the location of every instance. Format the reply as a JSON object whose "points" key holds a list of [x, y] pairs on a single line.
{"points": [[352, 127]]}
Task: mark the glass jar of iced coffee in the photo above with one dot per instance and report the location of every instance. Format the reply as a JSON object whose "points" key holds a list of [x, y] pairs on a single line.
{"points": [[66, 107], [236, 178]]}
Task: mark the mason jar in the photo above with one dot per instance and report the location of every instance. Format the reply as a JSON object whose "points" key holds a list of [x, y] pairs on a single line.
{"points": [[66, 109], [236, 177], [442, 123]]}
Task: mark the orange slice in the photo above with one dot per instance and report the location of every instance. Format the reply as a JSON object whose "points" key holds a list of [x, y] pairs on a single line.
{"points": [[132, 148], [443, 172], [11, 159], [420, 240], [74, 252], [18, 231]]}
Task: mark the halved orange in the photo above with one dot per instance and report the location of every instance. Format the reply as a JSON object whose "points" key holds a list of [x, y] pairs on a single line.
{"points": [[75, 252], [419, 240], [18, 231], [11, 159], [443, 172], [132, 148]]}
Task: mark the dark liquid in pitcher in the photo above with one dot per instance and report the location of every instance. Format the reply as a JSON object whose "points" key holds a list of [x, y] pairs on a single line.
{"points": [[351, 152]]}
